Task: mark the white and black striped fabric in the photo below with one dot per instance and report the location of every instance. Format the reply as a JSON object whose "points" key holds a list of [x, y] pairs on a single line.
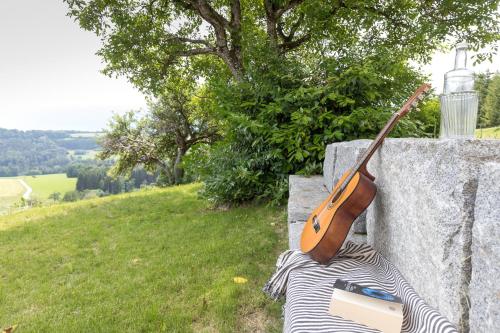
{"points": [[308, 287]]}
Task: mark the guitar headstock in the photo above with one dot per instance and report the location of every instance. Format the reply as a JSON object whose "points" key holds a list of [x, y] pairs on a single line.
{"points": [[415, 99]]}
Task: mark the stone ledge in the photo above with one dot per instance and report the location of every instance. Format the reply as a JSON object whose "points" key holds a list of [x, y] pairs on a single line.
{"points": [[484, 292], [421, 219], [430, 195], [306, 193], [437, 207]]}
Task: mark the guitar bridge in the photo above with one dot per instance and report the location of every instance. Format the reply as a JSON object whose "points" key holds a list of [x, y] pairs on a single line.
{"points": [[316, 224]]}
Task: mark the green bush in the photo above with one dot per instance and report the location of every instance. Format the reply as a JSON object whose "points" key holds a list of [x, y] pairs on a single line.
{"points": [[281, 125], [72, 196]]}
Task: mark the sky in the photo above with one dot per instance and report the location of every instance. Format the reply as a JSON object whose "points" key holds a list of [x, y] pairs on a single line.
{"points": [[50, 75]]}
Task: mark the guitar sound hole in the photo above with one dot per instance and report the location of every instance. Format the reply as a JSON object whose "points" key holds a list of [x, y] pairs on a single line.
{"points": [[335, 198], [316, 224]]}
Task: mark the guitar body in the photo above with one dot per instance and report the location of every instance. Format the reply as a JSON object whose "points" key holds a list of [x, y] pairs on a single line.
{"points": [[335, 220]]}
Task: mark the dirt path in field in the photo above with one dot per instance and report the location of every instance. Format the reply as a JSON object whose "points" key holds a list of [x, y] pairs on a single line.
{"points": [[26, 194]]}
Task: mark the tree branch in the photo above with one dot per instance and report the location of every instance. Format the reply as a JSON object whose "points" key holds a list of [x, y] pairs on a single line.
{"points": [[190, 40], [290, 5], [295, 26], [287, 46], [293, 29], [198, 51], [271, 22], [235, 14]]}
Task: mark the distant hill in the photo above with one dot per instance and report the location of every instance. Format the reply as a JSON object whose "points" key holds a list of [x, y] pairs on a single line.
{"points": [[42, 152]]}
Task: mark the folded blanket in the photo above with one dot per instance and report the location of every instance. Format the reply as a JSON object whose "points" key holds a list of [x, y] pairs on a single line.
{"points": [[308, 287]]}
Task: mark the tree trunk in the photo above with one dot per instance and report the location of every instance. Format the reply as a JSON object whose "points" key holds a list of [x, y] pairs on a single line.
{"points": [[178, 169]]}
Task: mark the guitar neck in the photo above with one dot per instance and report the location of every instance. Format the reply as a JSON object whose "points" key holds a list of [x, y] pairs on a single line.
{"points": [[363, 161]]}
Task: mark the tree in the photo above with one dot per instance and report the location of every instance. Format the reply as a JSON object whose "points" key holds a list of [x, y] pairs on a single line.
{"points": [[283, 77], [72, 196], [56, 196], [492, 102], [175, 123], [145, 39], [482, 81]]}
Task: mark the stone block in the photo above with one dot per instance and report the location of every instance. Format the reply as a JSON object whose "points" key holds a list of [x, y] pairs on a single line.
{"points": [[294, 232], [346, 156], [329, 165], [484, 291], [339, 157], [421, 219], [306, 193]]}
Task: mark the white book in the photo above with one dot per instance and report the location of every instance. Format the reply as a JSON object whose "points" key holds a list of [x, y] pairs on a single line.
{"points": [[370, 307]]}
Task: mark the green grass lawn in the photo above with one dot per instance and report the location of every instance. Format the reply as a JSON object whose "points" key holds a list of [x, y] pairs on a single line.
{"points": [[44, 185], [149, 261], [488, 133]]}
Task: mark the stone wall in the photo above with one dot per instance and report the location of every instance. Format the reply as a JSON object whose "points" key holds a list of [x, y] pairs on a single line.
{"points": [[484, 290], [434, 199]]}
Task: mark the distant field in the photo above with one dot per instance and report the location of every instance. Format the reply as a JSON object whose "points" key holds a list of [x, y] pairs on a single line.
{"points": [[10, 187], [44, 185], [488, 133], [85, 135], [11, 191], [87, 154]]}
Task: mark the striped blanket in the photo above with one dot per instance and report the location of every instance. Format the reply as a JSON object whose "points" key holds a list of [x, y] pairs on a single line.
{"points": [[308, 287]]}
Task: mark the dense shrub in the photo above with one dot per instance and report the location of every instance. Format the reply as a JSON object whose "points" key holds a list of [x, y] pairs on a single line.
{"points": [[281, 125], [72, 196]]}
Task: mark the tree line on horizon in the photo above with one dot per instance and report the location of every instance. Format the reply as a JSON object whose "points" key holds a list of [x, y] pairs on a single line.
{"points": [[488, 87], [93, 181], [39, 152]]}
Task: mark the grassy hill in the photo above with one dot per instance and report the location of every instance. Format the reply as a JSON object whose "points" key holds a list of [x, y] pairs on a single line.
{"points": [[150, 261]]}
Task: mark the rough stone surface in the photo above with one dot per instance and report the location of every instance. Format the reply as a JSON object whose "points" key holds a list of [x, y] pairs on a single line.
{"points": [[421, 219], [339, 157], [306, 193], [484, 292], [294, 232], [329, 165]]}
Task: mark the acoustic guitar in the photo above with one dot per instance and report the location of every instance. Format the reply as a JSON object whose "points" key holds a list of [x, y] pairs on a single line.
{"points": [[328, 225]]}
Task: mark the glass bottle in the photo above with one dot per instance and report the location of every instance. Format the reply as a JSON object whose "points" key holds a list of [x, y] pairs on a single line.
{"points": [[459, 101]]}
